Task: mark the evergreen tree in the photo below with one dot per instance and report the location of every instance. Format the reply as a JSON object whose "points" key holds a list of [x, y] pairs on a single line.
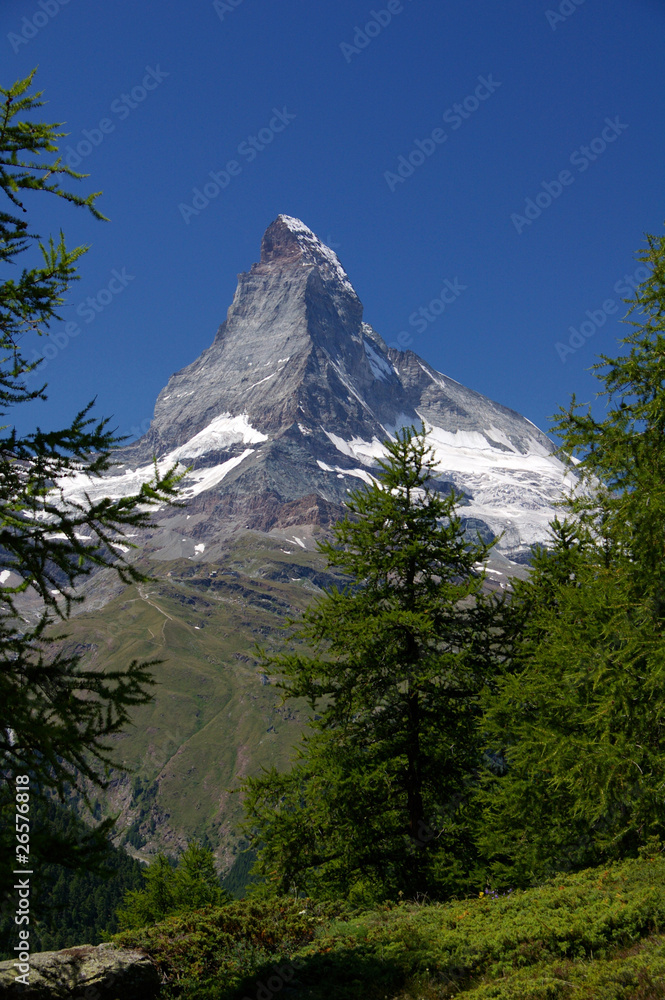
{"points": [[622, 468], [580, 718], [149, 905], [55, 715], [371, 807], [192, 884], [70, 903]]}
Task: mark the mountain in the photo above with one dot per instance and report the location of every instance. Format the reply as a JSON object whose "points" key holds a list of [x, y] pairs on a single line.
{"points": [[277, 419], [287, 409]]}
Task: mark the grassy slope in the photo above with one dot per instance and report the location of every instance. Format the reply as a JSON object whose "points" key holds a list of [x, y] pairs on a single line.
{"points": [[595, 935], [213, 719]]}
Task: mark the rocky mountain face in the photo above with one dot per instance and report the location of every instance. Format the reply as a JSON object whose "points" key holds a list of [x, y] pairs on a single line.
{"points": [[287, 409]]}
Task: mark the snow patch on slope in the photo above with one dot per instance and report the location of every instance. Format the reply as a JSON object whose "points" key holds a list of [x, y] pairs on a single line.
{"points": [[205, 479], [358, 473], [471, 452], [511, 491], [380, 368], [114, 487], [362, 451], [222, 432]]}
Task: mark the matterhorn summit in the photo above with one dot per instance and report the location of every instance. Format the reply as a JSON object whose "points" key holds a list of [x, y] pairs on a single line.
{"points": [[287, 409]]}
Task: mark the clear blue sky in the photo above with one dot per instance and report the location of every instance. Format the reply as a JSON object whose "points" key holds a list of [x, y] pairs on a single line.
{"points": [[201, 79]]}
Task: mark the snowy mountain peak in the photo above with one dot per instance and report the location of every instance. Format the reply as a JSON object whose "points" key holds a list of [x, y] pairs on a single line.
{"points": [[289, 406], [289, 239]]}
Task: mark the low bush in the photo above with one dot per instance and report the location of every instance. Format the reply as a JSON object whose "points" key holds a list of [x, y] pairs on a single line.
{"points": [[594, 934]]}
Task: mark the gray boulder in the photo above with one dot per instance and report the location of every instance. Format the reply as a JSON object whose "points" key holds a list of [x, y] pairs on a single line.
{"points": [[84, 973]]}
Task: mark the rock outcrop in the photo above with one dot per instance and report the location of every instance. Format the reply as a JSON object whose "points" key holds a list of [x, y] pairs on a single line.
{"points": [[83, 973]]}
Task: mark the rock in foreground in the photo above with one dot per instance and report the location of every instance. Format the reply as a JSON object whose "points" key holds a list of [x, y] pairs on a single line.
{"points": [[87, 972]]}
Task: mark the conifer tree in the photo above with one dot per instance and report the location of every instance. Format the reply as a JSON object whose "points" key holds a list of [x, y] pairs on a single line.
{"points": [[623, 454], [580, 719], [372, 805], [168, 889], [55, 715]]}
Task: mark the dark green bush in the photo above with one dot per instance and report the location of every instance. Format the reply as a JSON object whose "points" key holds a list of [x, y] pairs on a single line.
{"points": [[565, 935]]}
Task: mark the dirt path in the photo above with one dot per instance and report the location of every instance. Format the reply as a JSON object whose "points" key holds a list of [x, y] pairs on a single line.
{"points": [[161, 611]]}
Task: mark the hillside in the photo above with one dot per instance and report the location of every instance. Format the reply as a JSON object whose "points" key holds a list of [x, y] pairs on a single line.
{"points": [[594, 935], [216, 716]]}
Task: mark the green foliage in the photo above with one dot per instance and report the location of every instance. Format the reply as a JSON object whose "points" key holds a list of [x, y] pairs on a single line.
{"points": [[579, 720], [238, 879], [80, 881], [190, 885], [56, 716], [579, 723], [599, 929], [31, 301], [623, 455], [214, 952], [638, 974], [371, 807]]}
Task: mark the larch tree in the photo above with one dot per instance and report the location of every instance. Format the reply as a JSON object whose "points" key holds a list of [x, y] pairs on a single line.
{"points": [[579, 720], [373, 805], [55, 715]]}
